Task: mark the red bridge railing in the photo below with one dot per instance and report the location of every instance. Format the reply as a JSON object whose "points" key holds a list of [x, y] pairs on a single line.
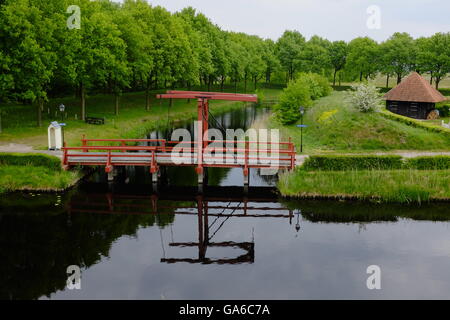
{"points": [[233, 153]]}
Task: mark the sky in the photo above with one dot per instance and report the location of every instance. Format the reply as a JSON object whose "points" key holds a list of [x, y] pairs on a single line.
{"points": [[331, 19]]}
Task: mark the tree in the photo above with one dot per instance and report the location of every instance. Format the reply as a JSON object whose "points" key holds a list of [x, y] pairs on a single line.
{"points": [[270, 59], [362, 57], [289, 49], [97, 52], [434, 55], [364, 97], [138, 37], [338, 52], [315, 56], [26, 53], [295, 95], [398, 55]]}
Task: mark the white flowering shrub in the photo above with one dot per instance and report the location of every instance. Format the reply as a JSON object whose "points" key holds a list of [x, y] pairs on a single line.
{"points": [[365, 97]]}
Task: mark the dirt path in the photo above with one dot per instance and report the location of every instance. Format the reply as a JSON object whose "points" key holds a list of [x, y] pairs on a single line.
{"points": [[23, 148]]}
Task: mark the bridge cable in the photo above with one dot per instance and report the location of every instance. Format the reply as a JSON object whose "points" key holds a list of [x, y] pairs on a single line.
{"points": [[224, 131], [209, 239], [218, 216]]}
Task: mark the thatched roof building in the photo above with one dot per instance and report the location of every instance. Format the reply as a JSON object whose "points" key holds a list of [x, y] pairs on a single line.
{"points": [[414, 97]]}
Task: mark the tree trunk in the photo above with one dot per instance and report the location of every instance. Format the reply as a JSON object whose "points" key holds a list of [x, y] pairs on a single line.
{"points": [[117, 105], [83, 102], [334, 78], [245, 84], [360, 76], [147, 99], [431, 78], [0, 121], [437, 81], [39, 114], [387, 81], [399, 78], [222, 83], [256, 82]]}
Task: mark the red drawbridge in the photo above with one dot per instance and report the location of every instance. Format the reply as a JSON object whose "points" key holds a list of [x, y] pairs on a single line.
{"points": [[156, 153]]}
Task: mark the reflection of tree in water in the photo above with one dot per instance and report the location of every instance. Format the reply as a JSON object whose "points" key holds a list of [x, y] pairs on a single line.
{"points": [[362, 211], [38, 247]]}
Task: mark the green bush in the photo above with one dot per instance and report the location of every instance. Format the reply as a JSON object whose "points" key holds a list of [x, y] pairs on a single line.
{"points": [[429, 163], [413, 122], [445, 91], [342, 163], [295, 95], [318, 85], [444, 110], [300, 92], [30, 159]]}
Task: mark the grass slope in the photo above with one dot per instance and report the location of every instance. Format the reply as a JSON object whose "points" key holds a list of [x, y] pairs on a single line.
{"points": [[333, 125]]}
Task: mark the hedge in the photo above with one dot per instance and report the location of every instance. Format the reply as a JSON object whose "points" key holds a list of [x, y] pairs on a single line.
{"points": [[362, 162], [30, 159], [429, 163], [413, 122], [342, 163]]}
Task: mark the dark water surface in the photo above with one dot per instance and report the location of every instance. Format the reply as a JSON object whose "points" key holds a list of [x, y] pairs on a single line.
{"points": [[132, 243]]}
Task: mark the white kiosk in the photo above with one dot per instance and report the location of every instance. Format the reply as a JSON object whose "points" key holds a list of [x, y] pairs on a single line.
{"points": [[55, 136]]}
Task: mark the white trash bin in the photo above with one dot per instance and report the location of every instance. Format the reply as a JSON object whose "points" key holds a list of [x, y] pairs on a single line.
{"points": [[55, 136]]}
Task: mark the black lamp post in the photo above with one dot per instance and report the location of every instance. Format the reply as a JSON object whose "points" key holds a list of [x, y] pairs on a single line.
{"points": [[297, 225], [302, 112], [61, 109]]}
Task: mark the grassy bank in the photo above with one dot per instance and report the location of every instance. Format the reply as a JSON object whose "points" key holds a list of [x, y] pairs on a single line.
{"points": [[334, 126], [404, 186], [133, 121], [34, 172]]}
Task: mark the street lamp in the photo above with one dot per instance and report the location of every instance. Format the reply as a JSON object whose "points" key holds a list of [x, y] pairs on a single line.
{"points": [[302, 112], [61, 109]]}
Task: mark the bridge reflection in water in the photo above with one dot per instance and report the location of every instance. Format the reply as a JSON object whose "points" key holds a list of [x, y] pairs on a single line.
{"points": [[220, 203]]}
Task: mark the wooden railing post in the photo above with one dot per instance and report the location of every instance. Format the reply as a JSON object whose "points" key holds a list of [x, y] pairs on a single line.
{"points": [[84, 143]]}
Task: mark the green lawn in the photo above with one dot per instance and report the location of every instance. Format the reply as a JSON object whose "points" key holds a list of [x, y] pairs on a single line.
{"points": [[405, 186], [37, 178], [333, 126], [133, 121]]}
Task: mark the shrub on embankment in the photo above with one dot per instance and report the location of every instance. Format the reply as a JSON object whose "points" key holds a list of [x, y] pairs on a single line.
{"points": [[414, 122], [342, 163], [363, 162], [30, 159], [429, 163]]}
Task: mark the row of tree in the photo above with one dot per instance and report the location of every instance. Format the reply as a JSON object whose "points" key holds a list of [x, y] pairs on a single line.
{"points": [[364, 58], [134, 46]]}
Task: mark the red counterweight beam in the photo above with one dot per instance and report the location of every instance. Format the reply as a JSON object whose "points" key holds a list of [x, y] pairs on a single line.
{"points": [[209, 96]]}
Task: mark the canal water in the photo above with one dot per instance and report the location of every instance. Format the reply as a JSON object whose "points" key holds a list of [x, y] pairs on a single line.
{"points": [[132, 243]]}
